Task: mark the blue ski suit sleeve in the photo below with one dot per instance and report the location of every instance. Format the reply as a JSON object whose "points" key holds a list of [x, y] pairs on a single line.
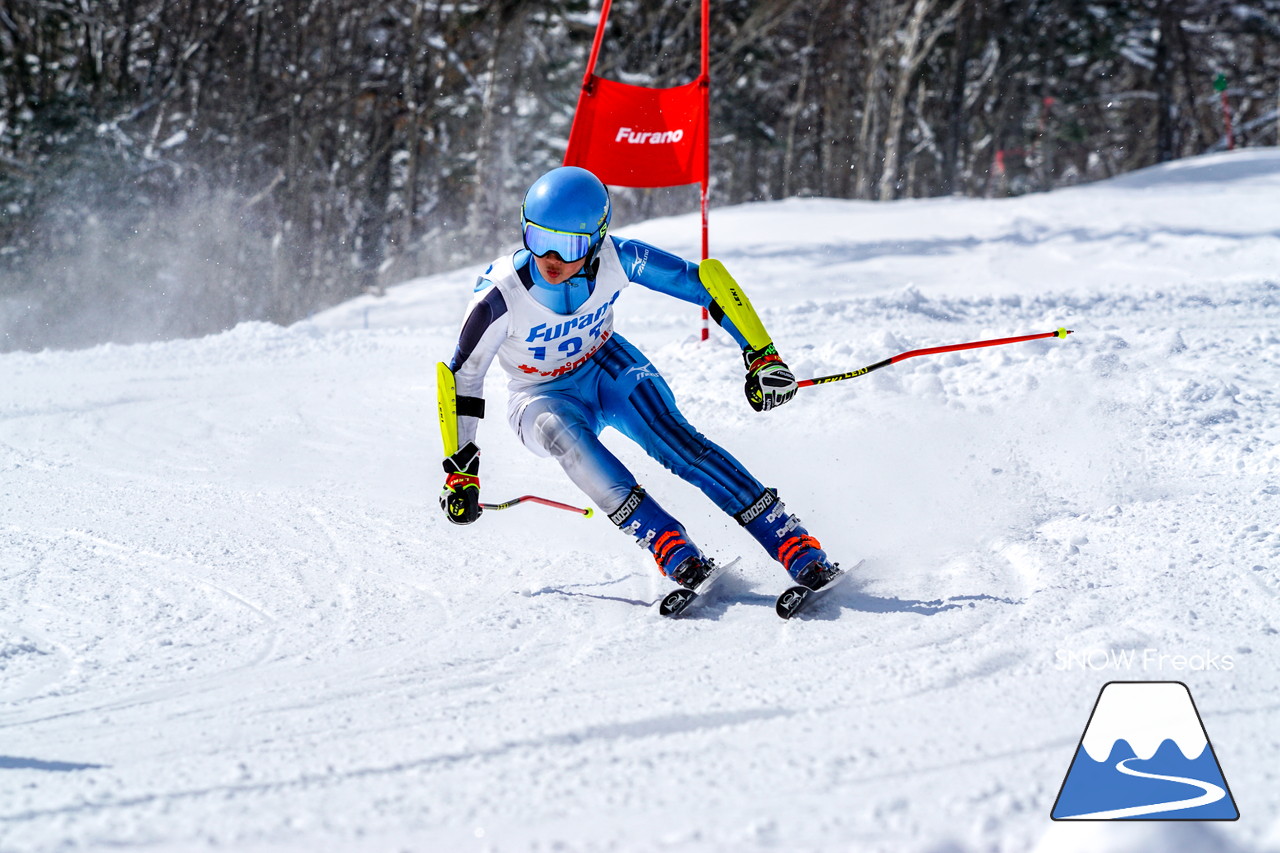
{"points": [[670, 274]]}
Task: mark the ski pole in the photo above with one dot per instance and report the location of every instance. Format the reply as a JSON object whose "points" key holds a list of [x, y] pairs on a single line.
{"points": [[588, 511], [902, 356]]}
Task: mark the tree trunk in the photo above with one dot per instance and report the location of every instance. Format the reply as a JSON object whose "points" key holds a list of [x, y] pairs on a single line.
{"points": [[413, 73], [797, 107], [957, 123], [1166, 107], [916, 47], [908, 61], [884, 22]]}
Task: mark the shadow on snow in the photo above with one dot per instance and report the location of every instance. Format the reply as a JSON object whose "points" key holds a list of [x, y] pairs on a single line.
{"points": [[10, 762]]}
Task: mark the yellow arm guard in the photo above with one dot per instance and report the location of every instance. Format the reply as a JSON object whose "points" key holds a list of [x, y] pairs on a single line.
{"points": [[733, 302], [447, 400]]}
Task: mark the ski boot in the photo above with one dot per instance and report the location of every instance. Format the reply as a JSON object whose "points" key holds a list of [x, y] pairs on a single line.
{"points": [[654, 528], [787, 541]]}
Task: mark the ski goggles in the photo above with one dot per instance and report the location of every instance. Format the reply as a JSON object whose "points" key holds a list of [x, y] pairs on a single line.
{"points": [[569, 245]]}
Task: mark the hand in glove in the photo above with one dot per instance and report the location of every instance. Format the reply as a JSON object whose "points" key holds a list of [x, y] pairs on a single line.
{"points": [[461, 496], [769, 381]]}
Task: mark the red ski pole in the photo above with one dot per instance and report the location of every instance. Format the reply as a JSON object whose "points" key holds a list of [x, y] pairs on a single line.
{"points": [[902, 356], [588, 511]]}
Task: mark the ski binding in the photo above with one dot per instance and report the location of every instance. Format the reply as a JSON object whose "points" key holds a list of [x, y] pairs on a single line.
{"points": [[795, 598], [678, 600]]}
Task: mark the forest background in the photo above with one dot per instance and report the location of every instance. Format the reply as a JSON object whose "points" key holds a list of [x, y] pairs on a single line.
{"points": [[172, 168]]}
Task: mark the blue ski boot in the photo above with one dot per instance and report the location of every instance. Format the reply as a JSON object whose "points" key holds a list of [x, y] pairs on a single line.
{"points": [[654, 528], [787, 541]]}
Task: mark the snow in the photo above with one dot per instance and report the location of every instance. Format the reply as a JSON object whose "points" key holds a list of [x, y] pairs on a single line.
{"points": [[1138, 837], [232, 615]]}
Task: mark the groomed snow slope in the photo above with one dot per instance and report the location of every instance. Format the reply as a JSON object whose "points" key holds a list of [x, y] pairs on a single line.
{"points": [[232, 615]]}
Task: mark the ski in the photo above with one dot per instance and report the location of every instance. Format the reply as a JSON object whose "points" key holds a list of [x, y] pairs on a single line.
{"points": [[795, 598], [678, 600]]}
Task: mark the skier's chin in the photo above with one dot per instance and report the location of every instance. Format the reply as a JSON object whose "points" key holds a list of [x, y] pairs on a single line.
{"points": [[557, 271]]}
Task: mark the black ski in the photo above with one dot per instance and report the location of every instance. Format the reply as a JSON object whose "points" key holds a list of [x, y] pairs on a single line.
{"points": [[678, 600], [795, 598]]}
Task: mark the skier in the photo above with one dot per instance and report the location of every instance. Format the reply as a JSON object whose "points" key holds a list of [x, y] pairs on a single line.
{"points": [[546, 313]]}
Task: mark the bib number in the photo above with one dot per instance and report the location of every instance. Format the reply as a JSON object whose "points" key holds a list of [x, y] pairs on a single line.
{"points": [[568, 348]]}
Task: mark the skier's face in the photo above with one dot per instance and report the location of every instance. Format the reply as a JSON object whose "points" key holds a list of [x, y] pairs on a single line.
{"points": [[556, 270]]}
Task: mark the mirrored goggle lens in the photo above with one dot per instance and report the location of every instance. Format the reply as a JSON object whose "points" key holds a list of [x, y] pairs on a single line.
{"points": [[570, 247]]}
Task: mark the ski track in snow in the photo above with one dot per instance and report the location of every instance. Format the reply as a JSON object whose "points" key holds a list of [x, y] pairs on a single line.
{"points": [[232, 615]]}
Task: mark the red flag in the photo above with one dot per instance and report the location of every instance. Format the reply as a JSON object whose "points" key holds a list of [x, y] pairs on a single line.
{"points": [[633, 136]]}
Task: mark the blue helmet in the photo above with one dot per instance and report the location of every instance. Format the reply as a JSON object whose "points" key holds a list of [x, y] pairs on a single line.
{"points": [[566, 211]]}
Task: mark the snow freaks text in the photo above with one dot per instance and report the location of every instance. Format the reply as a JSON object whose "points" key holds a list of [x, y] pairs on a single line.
{"points": [[1146, 660]]}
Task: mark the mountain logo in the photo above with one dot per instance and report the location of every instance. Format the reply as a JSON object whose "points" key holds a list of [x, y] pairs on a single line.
{"points": [[1144, 755]]}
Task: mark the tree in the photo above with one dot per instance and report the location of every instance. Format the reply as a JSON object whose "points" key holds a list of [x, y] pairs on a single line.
{"points": [[175, 168]]}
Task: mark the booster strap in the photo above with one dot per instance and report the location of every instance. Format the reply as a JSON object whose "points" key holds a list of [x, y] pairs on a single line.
{"points": [[620, 515], [767, 499]]}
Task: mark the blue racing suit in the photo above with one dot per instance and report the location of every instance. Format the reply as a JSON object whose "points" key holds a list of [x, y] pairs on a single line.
{"points": [[572, 375]]}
